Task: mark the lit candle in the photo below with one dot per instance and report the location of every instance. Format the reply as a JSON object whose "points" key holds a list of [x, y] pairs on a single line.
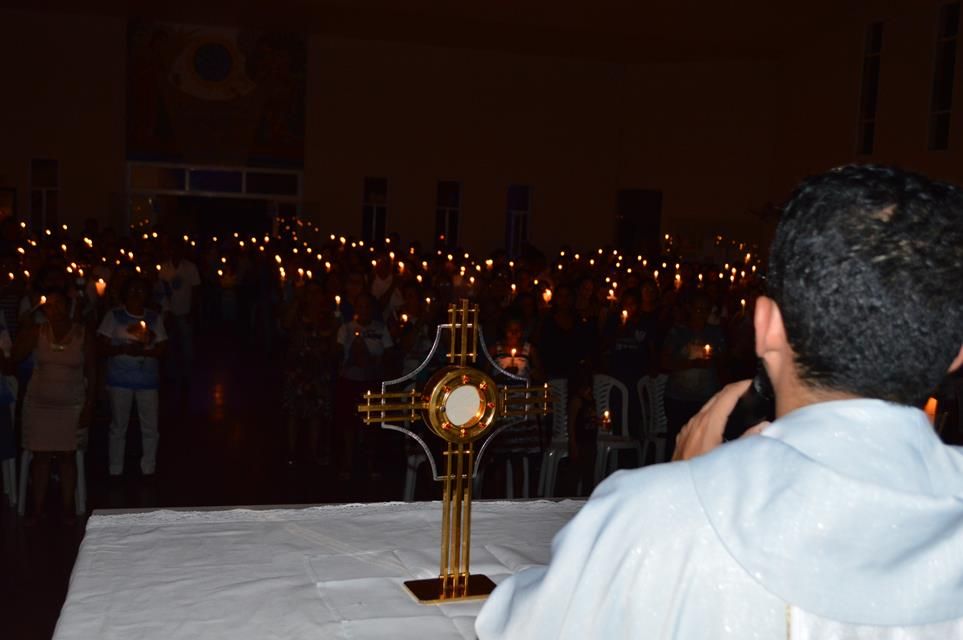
{"points": [[742, 303], [514, 351], [606, 420], [404, 319], [547, 296], [625, 317], [101, 287], [707, 350]]}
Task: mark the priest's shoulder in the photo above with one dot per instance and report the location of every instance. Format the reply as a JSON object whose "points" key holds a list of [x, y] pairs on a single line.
{"points": [[657, 490]]}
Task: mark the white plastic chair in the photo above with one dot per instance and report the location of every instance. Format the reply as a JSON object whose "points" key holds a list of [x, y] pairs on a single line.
{"points": [[616, 440], [509, 479], [655, 426], [80, 493], [558, 448]]}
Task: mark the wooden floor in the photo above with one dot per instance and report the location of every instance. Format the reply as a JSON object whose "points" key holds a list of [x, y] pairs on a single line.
{"points": [[222, 443]]}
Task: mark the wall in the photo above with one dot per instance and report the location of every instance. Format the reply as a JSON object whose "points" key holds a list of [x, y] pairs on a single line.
{"points": [[719, 138], [575, 130], [63, 98], [819, 97]]}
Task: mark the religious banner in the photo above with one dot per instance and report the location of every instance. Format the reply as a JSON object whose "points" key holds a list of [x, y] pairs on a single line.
{"points": [[212, 95]]}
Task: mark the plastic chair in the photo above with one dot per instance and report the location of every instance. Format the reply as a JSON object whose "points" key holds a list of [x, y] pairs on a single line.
{"points": [[655, 426], [509, 479], [614, 441], [80, 493], [558, 447]]}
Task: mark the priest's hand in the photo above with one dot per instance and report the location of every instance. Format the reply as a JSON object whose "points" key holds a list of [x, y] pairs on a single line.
{"points": [[703, 432]]}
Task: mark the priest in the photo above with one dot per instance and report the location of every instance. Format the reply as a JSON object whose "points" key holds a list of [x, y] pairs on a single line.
{"points": [[843, 518]]}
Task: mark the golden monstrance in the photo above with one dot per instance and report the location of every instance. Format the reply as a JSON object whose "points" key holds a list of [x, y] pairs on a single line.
{"points": [[459, 404]]}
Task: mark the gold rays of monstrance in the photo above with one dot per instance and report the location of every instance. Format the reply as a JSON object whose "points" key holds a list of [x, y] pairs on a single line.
{"points": [[459, 403]]}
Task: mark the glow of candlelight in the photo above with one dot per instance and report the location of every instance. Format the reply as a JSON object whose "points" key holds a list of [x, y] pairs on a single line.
{"points": [[625, 316], [930, 409], [546, 295], [707, 350], [404, 318]]}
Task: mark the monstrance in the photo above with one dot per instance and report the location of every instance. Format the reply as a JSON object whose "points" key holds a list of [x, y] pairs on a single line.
{"points": [[459, 404]]}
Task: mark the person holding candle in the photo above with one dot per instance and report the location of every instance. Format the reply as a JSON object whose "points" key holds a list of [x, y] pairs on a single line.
{"points": [[133, 339], [59, 400], [693, 369], [840, 519], [517, 356]]}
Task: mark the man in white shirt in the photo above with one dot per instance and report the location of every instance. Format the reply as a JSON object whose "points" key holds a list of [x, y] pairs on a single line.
{"points": [[843, 518], [181, 282]]}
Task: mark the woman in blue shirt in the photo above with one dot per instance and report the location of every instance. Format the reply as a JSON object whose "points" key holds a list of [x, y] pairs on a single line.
{"points": [[133, 339]]}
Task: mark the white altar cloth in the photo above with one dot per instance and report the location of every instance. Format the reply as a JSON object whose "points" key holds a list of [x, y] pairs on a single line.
{"points": [[316, 572]]}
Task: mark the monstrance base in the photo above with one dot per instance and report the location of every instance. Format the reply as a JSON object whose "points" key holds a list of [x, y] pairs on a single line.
{"points": [[429, 591]]}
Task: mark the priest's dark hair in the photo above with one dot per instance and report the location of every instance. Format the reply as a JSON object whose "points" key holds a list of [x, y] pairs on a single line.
{"points": [[867, 269]]}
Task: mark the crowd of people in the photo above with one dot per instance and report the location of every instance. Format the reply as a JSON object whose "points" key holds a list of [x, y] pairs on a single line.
{"points": [[92, 322], [93, 319]]}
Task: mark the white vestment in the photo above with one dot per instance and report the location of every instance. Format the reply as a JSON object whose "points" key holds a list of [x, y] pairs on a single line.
{"points": [[844, 514]]}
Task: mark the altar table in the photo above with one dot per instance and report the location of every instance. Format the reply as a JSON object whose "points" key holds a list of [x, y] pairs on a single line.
{"points": [[286, 573]]}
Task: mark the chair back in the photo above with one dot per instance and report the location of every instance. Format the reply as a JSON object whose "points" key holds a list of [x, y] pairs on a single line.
{"points": [[558, 390], [602, 386], [651, 391]]}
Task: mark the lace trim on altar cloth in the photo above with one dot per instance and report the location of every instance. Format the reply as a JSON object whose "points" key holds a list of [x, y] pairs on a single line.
{"points": [[803, 625], [216, 515]]}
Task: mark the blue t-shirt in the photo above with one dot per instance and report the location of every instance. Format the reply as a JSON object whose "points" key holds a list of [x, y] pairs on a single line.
{"points": [[132, 372]]}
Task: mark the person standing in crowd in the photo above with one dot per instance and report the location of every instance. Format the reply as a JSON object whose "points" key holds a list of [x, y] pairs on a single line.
{"points": [[843, 518], [364, 342], [181, 283], [691, 355], [517, 356], [59, 398], [133, 339], [565, 341]]}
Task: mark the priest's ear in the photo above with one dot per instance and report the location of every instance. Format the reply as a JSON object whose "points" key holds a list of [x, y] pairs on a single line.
{"points": [[957, 361], [771, 342]]}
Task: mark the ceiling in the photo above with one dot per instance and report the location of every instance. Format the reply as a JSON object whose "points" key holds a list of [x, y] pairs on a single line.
{"points": [[650, 30]]}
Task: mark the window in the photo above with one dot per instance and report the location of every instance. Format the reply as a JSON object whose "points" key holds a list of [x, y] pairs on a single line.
{"points": [[869, 90], [941, 101], [516, 220], [374, 210], [44, 193], [447, 213]]}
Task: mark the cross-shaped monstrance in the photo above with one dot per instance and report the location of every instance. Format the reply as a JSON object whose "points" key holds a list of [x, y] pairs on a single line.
{"points": [[459, 403]]}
